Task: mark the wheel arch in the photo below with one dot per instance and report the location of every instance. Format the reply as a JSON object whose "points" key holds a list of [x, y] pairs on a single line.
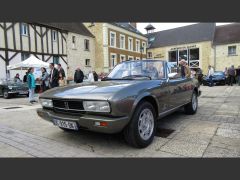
{"points": [[146, 97]]}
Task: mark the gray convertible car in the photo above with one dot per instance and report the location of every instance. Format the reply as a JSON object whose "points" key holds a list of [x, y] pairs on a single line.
{"points": [[129, 100]]}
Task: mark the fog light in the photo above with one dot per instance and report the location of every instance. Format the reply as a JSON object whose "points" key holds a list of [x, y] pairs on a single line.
{"points": [[103, 124]]}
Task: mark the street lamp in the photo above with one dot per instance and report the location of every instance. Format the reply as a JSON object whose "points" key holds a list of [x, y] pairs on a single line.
{"points": [[141, 50]]}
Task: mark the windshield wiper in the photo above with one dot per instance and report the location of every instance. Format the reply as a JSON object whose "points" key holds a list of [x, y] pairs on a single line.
{"points": [[133, 76]]}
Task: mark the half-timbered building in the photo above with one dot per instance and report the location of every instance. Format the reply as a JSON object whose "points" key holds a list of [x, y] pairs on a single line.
{"points": [[51, 42]]}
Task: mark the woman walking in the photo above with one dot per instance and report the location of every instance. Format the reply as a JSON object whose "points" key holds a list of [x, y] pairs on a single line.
{"points": [[31, 85]]}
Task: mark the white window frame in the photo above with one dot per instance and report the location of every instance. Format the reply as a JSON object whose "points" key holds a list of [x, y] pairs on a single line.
{"points": [[112, 65], [232, 54], [130, 57], [137, 48], [114, 45], [144, 47], [122, 55], [74, 42], [137, 58], [131, 44], [151, 54], [54, 38], [24, 29], [124, 41], [85, 42], [88, 65]]}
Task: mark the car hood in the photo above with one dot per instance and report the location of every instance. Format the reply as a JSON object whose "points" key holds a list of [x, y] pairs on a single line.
{"points": [[96, 90]]}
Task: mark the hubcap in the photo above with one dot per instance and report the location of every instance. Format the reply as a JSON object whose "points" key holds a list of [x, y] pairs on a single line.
{"points": [[146, 124], [5, 94], [194, 102]]}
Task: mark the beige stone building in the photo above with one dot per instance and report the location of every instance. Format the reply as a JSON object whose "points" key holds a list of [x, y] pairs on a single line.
{"points": [[116, 42], [193, 43], [200, 45], [227, 46]]}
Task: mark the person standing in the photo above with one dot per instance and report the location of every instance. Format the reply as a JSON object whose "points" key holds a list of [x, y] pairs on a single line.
{"points": [[95, 76], [238, 75], [31, 85], [54, 76], [78, 76], [61, 80], [17, 78], [231, 74], [25, 77], [91, 76], [44, 79], [210, 75], [185, 70], [61, 70]]}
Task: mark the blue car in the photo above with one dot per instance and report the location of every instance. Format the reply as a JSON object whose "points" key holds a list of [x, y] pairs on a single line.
{"points": [[219, 78]]}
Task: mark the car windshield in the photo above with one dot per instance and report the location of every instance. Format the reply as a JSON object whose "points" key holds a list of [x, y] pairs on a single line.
{"points": [[218, 73], [147, 69]]}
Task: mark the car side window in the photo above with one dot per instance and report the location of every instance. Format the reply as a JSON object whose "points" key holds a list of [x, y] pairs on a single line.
{"points": [[173, 71]]}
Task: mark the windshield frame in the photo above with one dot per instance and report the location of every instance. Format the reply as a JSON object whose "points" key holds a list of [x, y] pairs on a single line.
{"points": [[135, 61]]}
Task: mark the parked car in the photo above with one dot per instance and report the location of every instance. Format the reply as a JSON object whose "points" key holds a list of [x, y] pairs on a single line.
{"points": [[219, 78], [10, 88], [130, 100]]}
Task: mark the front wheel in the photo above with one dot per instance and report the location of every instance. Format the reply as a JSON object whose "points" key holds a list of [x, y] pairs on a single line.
{"points": [[6, 95], [141, 130], [191, 108]]}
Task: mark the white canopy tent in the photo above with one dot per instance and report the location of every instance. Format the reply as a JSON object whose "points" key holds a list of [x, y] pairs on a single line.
{"points": [[32, 61]]}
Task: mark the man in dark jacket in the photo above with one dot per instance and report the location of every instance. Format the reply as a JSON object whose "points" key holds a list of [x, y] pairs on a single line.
{"points": [[231, 74], [54, 76], [238, 75], [78, 76]]}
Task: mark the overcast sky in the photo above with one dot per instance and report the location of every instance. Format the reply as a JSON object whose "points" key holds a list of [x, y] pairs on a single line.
{"points": [[164, 26]]}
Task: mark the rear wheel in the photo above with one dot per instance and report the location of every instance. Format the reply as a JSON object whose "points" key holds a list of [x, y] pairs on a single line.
{"points": [[141, 130], [191, 108]]}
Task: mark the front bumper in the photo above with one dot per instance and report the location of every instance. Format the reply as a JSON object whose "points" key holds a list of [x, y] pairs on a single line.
{"points": [[87, 122]]}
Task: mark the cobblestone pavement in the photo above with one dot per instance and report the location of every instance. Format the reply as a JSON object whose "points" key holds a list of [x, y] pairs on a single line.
{"points": [[213, 132]]}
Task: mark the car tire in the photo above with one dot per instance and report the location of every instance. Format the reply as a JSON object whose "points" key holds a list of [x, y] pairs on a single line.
{"points": [[191, 108], [134, 134], [6, 95]]}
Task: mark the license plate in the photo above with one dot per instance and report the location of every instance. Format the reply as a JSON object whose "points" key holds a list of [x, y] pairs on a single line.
{"points": [[65, 124], [22, 92]]}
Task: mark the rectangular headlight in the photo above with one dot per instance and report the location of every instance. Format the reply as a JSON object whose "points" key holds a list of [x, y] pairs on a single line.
{"points": [[46, 103], [96, 106]]}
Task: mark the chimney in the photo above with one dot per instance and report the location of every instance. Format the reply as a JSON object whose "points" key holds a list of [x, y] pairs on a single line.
{"points": [[134, 24]]}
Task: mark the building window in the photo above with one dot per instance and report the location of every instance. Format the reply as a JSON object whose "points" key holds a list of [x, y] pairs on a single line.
{"points": [[54, 35], [137, 46], [55, 59], [122, 58], [86, 44], [194, 54], [149, 54], [130, 44], [113, 60], [74, 42], [144, 47], [112, 39], [137, 58], [24, 29], [130, 58], [122, 41], [232, 50], [24, 56], [87, 62], [172, 56]]}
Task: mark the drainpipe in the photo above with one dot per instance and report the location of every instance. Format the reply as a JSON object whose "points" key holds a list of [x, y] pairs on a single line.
{"points": [[215, 65]]}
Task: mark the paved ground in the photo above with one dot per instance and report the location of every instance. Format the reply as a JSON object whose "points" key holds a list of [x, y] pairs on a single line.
{"points": [[213, 132]]}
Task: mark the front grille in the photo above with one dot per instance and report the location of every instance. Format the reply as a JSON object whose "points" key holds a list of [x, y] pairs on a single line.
{"points": [[68, 105]]}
